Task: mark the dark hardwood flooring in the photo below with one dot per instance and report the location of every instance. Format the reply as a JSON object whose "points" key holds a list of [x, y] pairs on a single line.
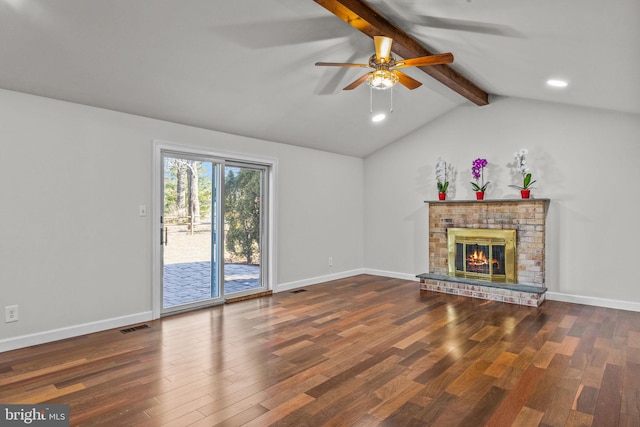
{"points": [[363, 351]]}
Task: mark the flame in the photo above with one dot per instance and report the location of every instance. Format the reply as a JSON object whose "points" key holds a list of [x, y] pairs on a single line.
{"points": [[478, 259]]}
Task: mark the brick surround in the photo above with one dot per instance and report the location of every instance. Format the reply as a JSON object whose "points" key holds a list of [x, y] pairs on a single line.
{"points": [[526, 216]]}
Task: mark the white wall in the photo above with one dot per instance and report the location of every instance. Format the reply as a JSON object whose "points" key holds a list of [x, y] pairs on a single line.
{"points": [[74, 254], [586, 161]]}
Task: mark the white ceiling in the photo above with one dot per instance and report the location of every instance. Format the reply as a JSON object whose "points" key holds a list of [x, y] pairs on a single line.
{"points": [[247, 66]]}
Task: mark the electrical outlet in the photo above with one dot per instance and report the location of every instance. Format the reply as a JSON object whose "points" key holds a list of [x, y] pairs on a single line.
{"points": [[330, 261], [11, 313]]}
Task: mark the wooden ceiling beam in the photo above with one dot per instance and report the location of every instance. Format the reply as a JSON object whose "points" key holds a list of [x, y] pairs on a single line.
{"points": [[363, 17]]}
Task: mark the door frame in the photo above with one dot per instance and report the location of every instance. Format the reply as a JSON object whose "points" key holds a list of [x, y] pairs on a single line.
{"points": [[268, 272]]}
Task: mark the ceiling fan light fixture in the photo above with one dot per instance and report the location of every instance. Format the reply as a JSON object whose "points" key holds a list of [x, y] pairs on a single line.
{"points": [[382, 79]]}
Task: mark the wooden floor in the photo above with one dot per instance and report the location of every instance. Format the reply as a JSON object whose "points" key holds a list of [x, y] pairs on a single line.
{"points": [[363, 351]]}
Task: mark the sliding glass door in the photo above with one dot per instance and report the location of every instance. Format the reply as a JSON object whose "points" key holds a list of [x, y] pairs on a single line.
{"points": [[212, 229]]}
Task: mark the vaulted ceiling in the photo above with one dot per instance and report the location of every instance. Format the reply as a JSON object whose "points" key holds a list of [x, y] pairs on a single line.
{"points": [[247, 66]]}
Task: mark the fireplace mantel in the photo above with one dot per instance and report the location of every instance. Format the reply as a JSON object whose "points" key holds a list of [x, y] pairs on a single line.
{"points": [[488, 201], [526, 216]]}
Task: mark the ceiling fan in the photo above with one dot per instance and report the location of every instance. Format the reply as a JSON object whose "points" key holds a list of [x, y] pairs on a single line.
{"points": [[385, 72]]}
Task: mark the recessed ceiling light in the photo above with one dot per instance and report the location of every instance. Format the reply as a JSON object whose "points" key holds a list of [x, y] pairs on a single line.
{"points": [[557, 83], [378, 117]]}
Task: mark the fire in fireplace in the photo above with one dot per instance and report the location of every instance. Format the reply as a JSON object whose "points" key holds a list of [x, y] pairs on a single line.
{"points": [[483, 254], [477, 260]]}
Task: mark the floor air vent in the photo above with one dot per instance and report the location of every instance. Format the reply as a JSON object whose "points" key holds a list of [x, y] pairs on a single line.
{"points": [[135, 328], [297, 291]]}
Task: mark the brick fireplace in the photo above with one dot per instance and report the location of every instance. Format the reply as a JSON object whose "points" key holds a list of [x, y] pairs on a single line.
{"points": [[524, 217]]}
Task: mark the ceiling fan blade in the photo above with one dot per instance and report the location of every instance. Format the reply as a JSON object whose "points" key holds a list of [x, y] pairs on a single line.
{"points": [[408, 82], [440, 58], [283, 32], [464, 25], [340, 64], [357, 83], [383, 48]]}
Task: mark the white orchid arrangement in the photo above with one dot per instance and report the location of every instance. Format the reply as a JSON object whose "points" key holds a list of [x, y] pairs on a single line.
{"points": [[441, 176], [523, 169]]}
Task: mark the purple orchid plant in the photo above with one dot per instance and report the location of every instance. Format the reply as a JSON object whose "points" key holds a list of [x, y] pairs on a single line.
{"points": [[477, 169]]}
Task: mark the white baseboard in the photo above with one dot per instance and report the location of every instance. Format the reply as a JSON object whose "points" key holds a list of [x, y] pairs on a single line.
{"points": [[599, 302], [316, 280], [72, 331], [392, 274], [321, 279]]}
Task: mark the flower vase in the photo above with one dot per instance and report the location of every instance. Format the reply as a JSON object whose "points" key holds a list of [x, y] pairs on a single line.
{"points": [[442, 196], [479, 195], [525, 193]]}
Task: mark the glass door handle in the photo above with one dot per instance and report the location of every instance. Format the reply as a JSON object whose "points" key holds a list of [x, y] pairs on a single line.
{"points": [[164, 236]]}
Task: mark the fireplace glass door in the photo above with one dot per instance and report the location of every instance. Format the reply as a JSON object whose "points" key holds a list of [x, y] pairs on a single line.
{"points": [[480, 257], [482, 254]]}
